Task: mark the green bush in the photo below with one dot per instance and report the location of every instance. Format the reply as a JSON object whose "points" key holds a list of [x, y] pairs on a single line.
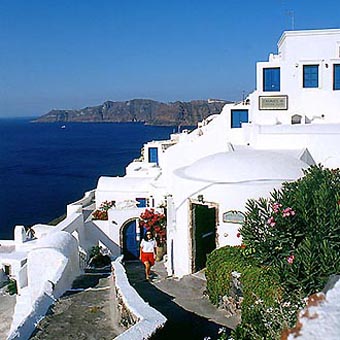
{"points": [[292, 242], [264, 310], [297, 230], [258, 283]]}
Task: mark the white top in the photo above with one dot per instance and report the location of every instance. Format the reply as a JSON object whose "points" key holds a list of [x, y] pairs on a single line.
{"points": [[244, 165], [148, 246]]}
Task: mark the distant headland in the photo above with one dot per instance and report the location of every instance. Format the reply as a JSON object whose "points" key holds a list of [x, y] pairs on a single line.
{"points": [[146, 111]]}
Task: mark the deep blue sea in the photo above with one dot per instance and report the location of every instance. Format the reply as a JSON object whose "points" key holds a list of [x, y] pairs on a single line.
{"points": [[44, 167]]}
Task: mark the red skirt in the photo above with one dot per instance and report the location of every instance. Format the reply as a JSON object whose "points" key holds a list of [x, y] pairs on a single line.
{"points": [[148, 257]]}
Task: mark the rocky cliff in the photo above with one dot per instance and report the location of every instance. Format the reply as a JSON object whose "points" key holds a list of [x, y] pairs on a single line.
{"points": [[139, 110]]}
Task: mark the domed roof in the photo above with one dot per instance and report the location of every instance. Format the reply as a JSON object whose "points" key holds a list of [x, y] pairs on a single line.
{"points": [[244, 166]]}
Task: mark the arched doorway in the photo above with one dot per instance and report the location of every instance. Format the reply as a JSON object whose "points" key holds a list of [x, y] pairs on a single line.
{"points": [[131, 240]]}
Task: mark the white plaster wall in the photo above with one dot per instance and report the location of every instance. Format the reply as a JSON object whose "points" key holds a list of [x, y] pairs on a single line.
{"points": [[323, 320], [321, 140], [295, 50], [21, 278], [228, 197], [73, 222], [149, 319], [56, 254], [102, 196], [117, 220], [214, 139]]}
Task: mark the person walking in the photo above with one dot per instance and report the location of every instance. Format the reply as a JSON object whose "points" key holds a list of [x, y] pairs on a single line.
{"points": [[148, 253]]}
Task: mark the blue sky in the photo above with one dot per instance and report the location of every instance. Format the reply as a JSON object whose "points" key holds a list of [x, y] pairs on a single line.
{"points": [[77, 53]]}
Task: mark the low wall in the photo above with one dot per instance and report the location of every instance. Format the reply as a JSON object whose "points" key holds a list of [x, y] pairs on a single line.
{"points": [[145, 319], [51, 290], [71, 223], [38, 312], [51, 269], [86, 200]]}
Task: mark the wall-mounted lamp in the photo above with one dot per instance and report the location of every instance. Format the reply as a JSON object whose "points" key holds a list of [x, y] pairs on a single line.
{"points": [[326, 65], [200, 198]]}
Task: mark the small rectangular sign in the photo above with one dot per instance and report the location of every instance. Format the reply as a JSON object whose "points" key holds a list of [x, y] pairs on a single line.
{"points": [[273, 102], [236, 217]]}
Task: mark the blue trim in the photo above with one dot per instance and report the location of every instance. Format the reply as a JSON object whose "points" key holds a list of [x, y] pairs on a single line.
{"points": [[153, 155], [238, 117], [336, 77], [271, 79], [310, 76], [142, 202]]}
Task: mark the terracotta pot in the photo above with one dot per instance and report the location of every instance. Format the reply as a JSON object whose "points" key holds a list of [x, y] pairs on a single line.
{"points": [[160, 251]]}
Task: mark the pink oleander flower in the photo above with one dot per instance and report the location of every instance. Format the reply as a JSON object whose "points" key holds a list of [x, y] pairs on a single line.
{"points": [[271, 221], [276, 207], [288, 212], [290, 259]]}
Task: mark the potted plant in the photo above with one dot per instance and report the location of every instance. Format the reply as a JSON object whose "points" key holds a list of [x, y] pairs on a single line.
{"points": [[101, 212]]}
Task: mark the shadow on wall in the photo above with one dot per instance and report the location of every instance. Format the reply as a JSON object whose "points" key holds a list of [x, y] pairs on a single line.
{"points": [[96, 234]]}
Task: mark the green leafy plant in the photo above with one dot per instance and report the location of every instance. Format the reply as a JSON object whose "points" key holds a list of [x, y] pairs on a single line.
{"points": [[297, 230], [12, 287], [291, 246], [97, 258]]}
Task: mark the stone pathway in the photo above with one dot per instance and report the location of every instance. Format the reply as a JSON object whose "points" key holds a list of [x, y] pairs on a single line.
{"points": [[88, 312], [189, 312], [7, 304]]}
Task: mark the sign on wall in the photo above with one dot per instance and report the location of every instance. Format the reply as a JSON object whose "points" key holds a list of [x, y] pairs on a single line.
{"points": [[273, 102], [236, 217]]}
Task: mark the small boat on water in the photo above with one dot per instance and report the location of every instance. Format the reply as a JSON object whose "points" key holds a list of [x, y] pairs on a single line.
{"points": [[63, 127]]}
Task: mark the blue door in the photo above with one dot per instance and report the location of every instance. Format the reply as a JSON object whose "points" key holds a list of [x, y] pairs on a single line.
{"points": [[238, 117], [130, 241], [153, 155]]}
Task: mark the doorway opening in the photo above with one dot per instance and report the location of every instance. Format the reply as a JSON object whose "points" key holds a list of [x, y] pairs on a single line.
{"points": [[203, 233], [131, 240]]}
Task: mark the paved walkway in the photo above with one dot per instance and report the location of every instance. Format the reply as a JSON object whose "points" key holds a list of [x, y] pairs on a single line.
{"points": [[190, 314], [87, 313], [7, 304]]}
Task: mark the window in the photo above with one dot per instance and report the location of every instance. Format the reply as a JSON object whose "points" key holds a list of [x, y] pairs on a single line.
{"points": [[310, 76], [142, 202], [336, 77], [238, 117], [153, 155], [271, 79]]}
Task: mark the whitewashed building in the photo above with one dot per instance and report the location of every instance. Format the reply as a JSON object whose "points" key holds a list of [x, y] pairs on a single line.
{"points": [[202, 178], [291, 121]]}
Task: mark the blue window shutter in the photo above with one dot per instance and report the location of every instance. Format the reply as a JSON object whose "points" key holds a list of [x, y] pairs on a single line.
{"points": [[310, 76], [336, 77], [238, 117], [271, 79], [153, 155], [142, 202]]}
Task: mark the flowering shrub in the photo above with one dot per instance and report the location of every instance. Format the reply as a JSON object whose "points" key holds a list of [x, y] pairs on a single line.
{"points": [[156, 223], [101, 212], [297, 230], [295, 236]]}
